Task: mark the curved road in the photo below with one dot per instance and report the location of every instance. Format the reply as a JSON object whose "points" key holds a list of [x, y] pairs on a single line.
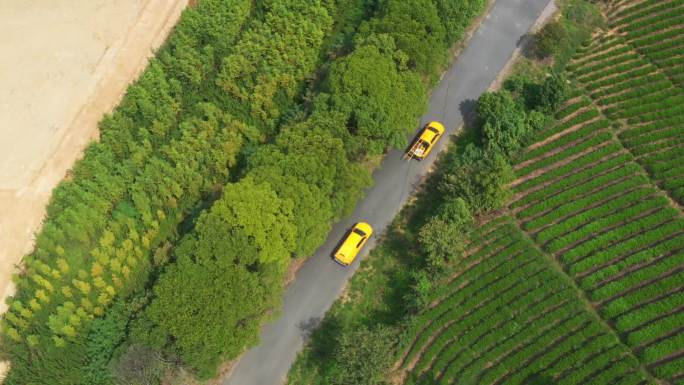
{"points": [[320, 280]]}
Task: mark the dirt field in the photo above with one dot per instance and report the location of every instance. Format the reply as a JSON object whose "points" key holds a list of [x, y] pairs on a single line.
{"points": [[64, 63]]}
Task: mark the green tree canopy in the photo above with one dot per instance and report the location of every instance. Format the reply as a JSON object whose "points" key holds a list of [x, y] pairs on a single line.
{"points": [[227, 275], [503, 122], [479, 178], [444, 237], [365, 356], [417, 30], [379, 100]]}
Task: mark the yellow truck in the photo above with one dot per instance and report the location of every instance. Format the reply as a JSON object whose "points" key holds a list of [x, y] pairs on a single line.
{"points": [[426, 140]]}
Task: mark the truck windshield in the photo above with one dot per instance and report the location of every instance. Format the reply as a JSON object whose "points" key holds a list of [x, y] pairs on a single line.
{"points": [[361, 233]]}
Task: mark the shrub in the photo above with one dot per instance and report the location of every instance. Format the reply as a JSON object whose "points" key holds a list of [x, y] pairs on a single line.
{"points": [[479, 179], [444, 237], [367, 355], [503, 122], [549, 38]]}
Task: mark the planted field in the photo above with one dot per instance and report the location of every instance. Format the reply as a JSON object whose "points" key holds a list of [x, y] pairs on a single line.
{"points": [[585, 194], [597, 193], [635, 75], [509, 317]]}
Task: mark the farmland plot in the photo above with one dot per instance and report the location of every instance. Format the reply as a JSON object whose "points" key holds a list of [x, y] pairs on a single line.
{"points": [[510, 316]]}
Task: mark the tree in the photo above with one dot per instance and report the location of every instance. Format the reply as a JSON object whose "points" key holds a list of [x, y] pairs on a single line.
{"points": [[365, 354], [549, 39], [417, 30], [444, 237], [503, 122], [479, 178], [456, 16], [380, 101], [552, 93], [227, 275]]}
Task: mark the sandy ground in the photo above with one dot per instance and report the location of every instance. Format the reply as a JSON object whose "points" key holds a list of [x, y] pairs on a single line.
{"points": [[63, 64]]}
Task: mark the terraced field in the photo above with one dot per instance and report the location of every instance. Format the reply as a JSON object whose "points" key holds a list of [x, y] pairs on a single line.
{"points": [[510, 316], [581, 279], [635, 73]]}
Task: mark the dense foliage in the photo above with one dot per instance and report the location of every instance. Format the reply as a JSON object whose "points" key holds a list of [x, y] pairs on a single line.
{"points": [[231, 121]]}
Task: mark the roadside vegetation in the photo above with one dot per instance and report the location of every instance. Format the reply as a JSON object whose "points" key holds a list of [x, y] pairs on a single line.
{"points": [[547, 246], [250, 132]]}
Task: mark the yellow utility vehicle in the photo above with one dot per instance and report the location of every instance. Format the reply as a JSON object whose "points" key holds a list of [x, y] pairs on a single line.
{"points": [[352, 243], [426, 140]]}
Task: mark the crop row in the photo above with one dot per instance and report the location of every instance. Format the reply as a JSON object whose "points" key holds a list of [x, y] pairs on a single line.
{"points": [[585, 160], [602, 55], [667, 54], [605, 240], [668, 112], [539, 355], [507, 307], [567, 225], [614, 111], [466, 298], [470, 363], [620, 250], [572, 108], [600, 289], [588, 188], [575, 120], [645, 22], [613, 61], [654, 27], [650, 107], [671, 370], [578, 148], [600, 224], [658, 133], [654, 160], [583, 133], [651, 79], [676, 170], [663, 6], [642, 273], [656, 328], [655, 38], [637, 307], [570, 180], [637, 93], [653, 147], [654, 126], [616, 71], [505, 233], [662, 45], [617, 75], [582, 58], [663, 348], [598, 47], [666, 164], [566, 358], [673, 184], [488, 272], [652, 311], [635, 8], [605, 346], [543, 341], [674, 61]]}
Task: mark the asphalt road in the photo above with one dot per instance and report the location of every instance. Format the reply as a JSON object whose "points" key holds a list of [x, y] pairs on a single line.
{"points": [[320, 280]]}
